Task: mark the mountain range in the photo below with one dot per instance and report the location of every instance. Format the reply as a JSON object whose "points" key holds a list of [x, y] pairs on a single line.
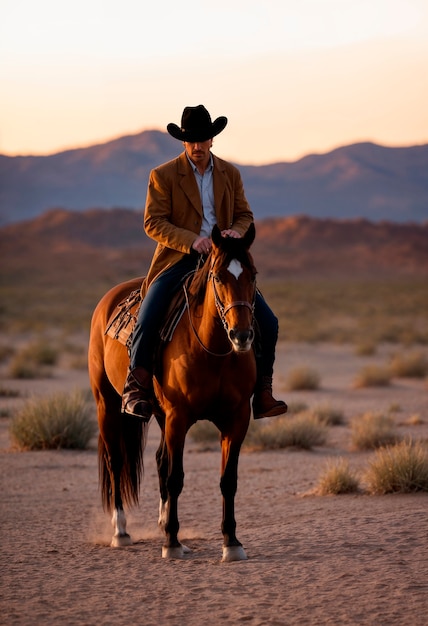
{"points": [[362, 180], [95, 241]]}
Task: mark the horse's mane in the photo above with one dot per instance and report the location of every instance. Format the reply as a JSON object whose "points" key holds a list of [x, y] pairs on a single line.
{"points": [[229, 249]]}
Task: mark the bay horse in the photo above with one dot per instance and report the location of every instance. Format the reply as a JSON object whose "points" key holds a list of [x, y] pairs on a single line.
{"points": [[206, 371]]}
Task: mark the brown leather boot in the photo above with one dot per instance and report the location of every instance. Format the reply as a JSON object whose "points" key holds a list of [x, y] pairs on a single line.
{"points": [[137, 394], [264, 404]]}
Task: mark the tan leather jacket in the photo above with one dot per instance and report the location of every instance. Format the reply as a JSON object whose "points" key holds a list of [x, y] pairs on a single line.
{"points": [[173, 213]]}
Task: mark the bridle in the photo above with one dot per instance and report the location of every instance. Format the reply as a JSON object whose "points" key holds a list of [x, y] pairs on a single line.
{"points": [[222, 310]]}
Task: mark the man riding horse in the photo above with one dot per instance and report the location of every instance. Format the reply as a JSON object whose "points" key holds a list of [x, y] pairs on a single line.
{"points": [[186, 197]]}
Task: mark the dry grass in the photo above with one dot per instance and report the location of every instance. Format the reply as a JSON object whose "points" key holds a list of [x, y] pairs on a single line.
{"points": [[296, 407], [373, 430], [337, 479], [413, 420], [58, 291], [6, 352], [7, 392], [366, 348], [328, 415], [354, 311], [58, 421], [303, 431], [204, 432], [402, 468], [373, 376], [34, 361], [410, 365], [302, 378]]}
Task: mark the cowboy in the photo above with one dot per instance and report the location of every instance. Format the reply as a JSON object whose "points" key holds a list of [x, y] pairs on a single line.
{"points": [[186, 197]]}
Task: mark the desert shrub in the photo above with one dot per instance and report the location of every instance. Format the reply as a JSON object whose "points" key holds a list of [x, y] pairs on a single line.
{"points": [[58, 421], [79, 362], [328, 415], [301, 431], [302, 378], [373, 430], [41, 352], [373, 376], [204, 432], [413, 420], [402, 468], [296, 407], [6, 392], [33, 361], [20, 367], [5, 352], [411, 365], [395, 407], [353, 310], [337, 479], [366, 348]]}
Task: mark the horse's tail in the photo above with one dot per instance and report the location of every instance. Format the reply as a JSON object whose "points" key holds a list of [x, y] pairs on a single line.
{"points": [[104, 475], [134, 441], [132, 445]]}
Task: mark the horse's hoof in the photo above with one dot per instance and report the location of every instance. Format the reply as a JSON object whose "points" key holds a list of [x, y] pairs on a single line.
{"points": [[174, 552], [120, 541], [233, 553]]}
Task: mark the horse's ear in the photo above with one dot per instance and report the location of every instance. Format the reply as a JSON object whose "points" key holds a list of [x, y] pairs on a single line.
{"points": [[250, 235], [216, 235]]}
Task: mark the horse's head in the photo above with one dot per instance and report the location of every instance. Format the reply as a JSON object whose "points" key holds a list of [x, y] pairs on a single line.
{"points": [[233, 278]]}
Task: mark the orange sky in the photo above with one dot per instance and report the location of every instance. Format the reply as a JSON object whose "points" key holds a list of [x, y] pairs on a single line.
{"points": [[293, 78]]}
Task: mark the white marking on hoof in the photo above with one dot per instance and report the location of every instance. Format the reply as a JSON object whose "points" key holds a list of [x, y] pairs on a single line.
{"points": [[177, 552], [186, 549], [120, 541], [120, 537], [118, 522], [233, 553], [235, 268]]}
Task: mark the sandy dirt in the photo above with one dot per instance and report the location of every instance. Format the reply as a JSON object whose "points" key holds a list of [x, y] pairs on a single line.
{"points": [[339, 560]]}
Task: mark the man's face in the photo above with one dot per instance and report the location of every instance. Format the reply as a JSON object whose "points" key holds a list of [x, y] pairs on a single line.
{"points": [[198, 151]]}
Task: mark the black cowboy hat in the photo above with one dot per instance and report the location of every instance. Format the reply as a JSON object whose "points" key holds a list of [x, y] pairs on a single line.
{"points": [[196, 125]]}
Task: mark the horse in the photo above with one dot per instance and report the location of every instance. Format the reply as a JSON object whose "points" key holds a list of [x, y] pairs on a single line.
{"points": [[205, 371]]}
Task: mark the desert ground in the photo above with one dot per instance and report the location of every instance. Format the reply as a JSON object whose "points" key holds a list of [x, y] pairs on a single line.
{"points": [[312, 560]]}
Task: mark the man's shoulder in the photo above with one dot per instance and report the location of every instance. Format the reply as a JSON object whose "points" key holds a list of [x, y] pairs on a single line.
{"points": [[171, 166]]}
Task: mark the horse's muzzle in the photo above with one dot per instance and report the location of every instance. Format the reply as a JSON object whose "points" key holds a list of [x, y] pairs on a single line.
{"points": [[241, 340]]}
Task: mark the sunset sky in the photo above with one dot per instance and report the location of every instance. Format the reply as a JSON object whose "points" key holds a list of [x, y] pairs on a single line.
{"points": [[292, 77]]}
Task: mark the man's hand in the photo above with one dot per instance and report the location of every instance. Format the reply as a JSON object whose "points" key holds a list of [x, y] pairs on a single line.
{"points": [[202, 245], [230, 233]]}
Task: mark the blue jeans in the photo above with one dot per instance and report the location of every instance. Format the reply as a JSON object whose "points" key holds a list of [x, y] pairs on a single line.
{"points": [[155, 305]]}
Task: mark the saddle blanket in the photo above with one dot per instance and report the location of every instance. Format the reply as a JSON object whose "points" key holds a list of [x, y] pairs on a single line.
{"points": [[122, 321]]}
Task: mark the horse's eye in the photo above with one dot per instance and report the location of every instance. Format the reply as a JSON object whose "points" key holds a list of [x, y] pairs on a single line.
{"points": [[217, 278]]}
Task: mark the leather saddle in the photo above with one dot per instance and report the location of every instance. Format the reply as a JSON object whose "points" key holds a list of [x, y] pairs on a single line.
{"points": [[123, 319]]}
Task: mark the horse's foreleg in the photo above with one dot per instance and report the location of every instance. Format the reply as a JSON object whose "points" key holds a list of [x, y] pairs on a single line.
{"points": [[232, 548], [162, 467], [172, 548]]}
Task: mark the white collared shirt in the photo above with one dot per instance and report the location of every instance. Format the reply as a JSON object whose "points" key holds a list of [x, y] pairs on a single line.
{"points": [[206, 189]]}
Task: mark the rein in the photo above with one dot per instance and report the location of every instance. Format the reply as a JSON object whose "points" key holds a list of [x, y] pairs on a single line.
{"points": [[221, 310]]}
